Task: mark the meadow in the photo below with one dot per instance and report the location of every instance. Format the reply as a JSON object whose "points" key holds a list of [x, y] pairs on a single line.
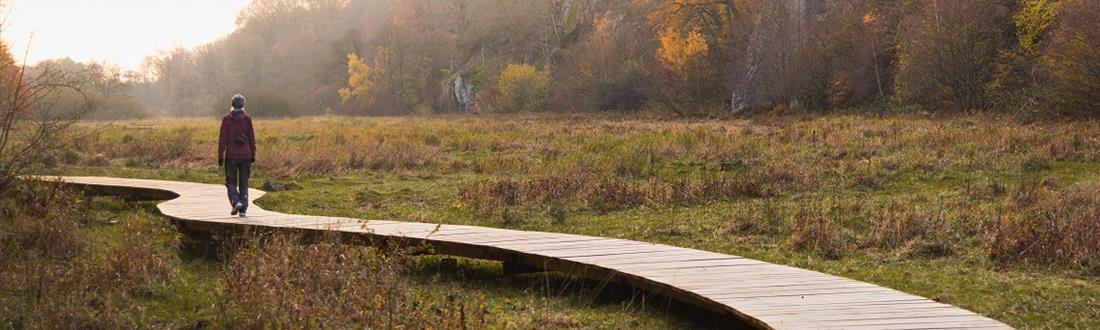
{"points": [[989, 213]]}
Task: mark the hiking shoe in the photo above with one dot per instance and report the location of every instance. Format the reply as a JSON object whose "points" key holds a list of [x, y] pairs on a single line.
{"points": [[236, 208], [242, 214]]}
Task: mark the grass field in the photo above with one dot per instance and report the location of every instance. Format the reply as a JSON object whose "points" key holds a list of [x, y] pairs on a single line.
{"points": [[987, 213]]}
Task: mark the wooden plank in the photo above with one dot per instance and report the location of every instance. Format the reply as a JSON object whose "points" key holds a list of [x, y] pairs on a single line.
{"points": [[934, 327], [524, 238], [800, 293], [565, 244], [664, 256], [808, 310], [913, 322], [565, 252], [760, 274], [741, 277], [670, 273], [699, 286], [633, 268], [846, 309], [813, 302], [635, 253], [878, 314]]}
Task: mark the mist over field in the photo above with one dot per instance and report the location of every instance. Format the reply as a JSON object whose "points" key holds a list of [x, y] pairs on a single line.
{"points": [[685, 58]]}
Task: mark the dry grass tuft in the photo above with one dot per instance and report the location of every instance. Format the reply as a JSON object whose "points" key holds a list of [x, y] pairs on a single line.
{"points": [[53, 278], [918, 232], [1042, 226], [606, 194], [899, 226], [41, 219], [818, 228], [559, 321], [280, 282]]}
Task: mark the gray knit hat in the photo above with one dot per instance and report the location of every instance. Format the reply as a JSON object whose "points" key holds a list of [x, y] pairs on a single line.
{"points": [[238, 102]]}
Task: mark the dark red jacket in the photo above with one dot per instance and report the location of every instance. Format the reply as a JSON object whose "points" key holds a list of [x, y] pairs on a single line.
{"points": [[237, 127]]}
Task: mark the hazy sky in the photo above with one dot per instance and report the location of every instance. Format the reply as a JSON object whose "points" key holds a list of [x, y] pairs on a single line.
{"points": [[119, 31]]}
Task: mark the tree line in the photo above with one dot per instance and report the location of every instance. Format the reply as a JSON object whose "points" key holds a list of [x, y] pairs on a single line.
{"points": [[688, 57]]}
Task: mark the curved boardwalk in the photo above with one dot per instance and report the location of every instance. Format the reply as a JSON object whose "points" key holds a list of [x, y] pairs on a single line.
{"points": [[762, 294]]}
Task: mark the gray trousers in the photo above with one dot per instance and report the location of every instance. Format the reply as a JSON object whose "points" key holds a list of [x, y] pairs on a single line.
{"points": [[237, 172]]}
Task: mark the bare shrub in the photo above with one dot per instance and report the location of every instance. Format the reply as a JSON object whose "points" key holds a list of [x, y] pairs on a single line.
{"points": [[38, 107]]}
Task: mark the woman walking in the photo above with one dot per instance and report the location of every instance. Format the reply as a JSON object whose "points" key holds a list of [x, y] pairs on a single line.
{"points": [[237, 152]]}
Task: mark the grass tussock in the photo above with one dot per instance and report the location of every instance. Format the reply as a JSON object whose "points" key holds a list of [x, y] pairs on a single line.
{"points": [[280, 282], [54, 277], [1048, 227], [915, 232], [36, 224], [819, 229]]}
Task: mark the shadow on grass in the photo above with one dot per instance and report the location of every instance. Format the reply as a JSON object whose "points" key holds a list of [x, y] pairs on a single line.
{"points": [[581, 293]]}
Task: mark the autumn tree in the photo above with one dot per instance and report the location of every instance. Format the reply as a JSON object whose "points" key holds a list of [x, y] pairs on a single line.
{"points": [[849, 56], [522, 88], [609, 68], [763, 54], [948, 51], [792, 54], [695, 57], [698, 52], [1019, 75], [359, 84], [1073, 59]]}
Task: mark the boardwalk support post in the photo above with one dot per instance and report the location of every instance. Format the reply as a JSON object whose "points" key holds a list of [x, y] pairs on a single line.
{"points": [[198, 242], [513, 268]]}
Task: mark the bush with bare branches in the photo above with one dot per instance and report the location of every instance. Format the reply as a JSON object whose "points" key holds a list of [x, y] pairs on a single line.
{"points": [[37, 109]]}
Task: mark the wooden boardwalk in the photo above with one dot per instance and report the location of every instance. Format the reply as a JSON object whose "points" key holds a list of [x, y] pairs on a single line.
{"points": [[765, 295]]}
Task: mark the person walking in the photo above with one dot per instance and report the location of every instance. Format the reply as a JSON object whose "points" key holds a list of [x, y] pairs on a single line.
{"points": [[237, 152]]}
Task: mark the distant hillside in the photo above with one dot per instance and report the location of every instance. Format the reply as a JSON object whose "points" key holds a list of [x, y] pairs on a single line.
{"points": [[690, 57]]}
